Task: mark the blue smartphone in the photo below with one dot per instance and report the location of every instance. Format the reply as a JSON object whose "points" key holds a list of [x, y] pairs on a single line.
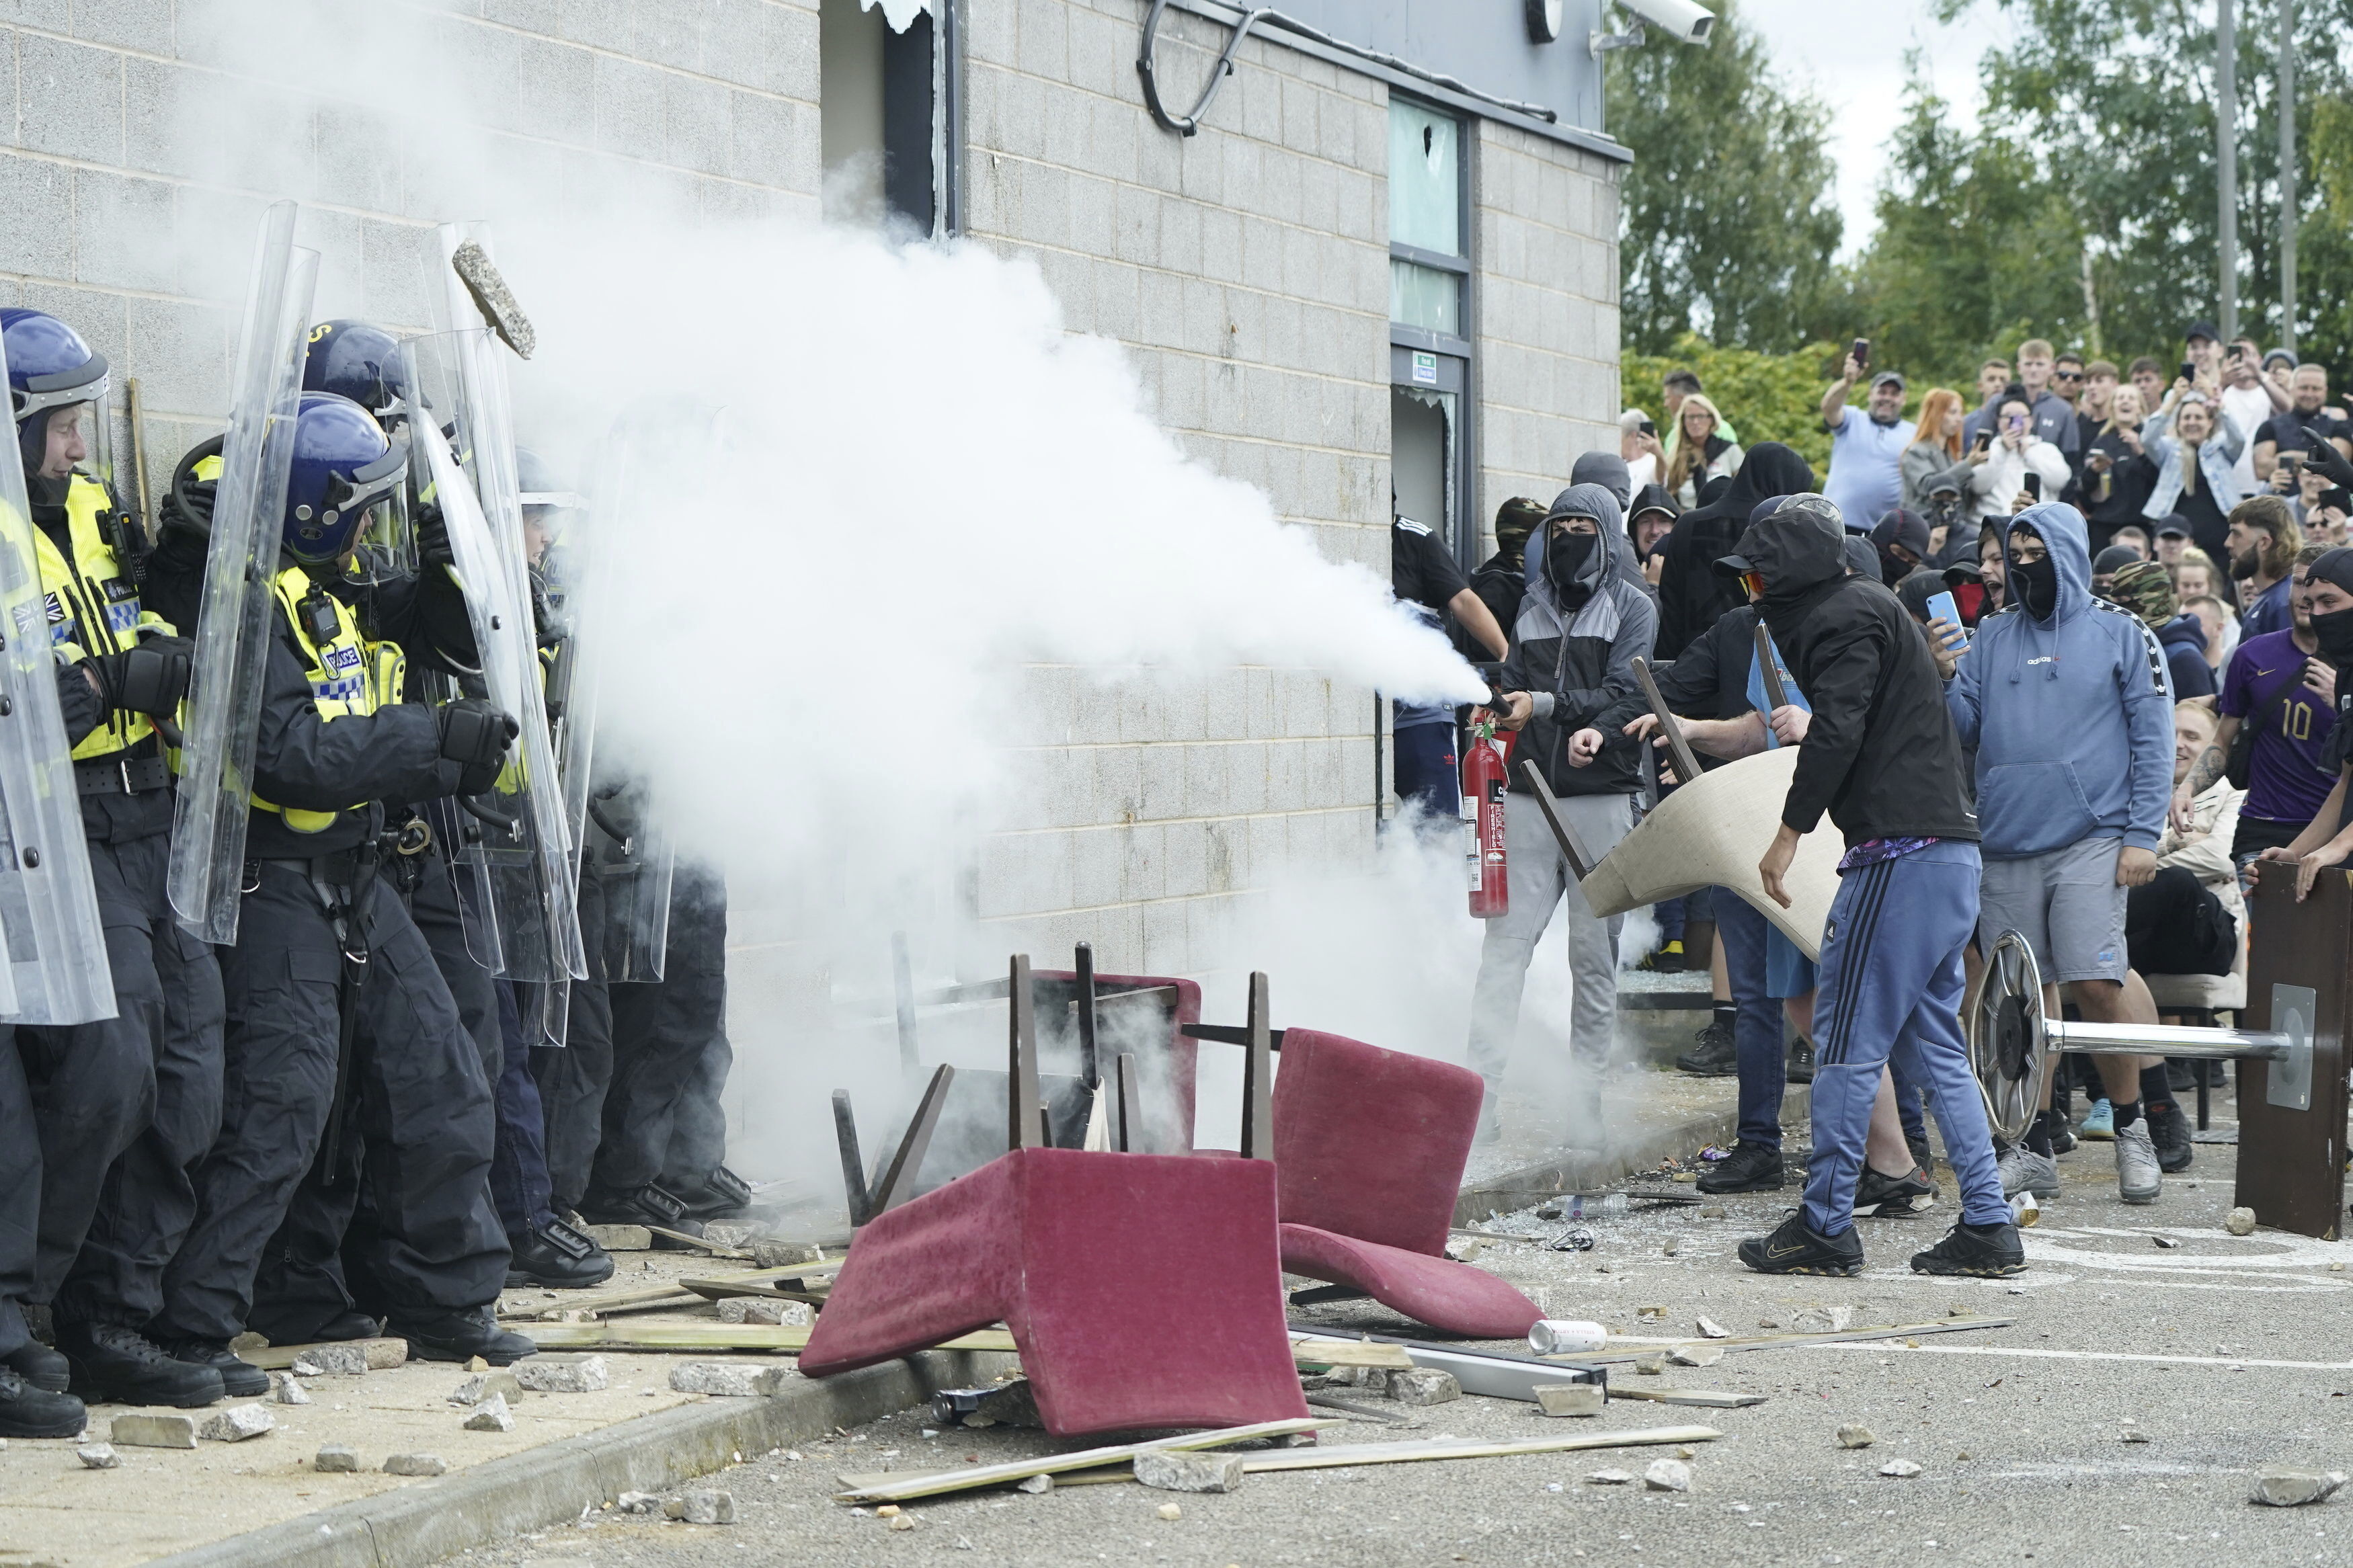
{"points": [[1941, 607]]}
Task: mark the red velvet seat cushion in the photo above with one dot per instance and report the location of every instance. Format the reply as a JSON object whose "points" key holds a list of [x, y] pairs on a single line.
{"points": [[1455, 1297], [1371, 1143], [1143, 1289]]}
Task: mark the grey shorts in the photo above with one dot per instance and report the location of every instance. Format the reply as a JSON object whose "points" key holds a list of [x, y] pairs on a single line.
{"points": [[2067, 906]]}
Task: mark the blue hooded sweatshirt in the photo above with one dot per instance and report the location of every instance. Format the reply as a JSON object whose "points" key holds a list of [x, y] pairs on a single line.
{"points": [[2071, 717]]}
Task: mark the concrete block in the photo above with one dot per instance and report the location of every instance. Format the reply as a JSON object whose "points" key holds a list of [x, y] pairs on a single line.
{"points": [[1423, 1385], [1043, 46], [1571, 1399], [144, 1431], [601, 23], [622, 1238], [70, 99], [38, 198], [562, 1375], [697, 129], [239, 1422], [707, 1506], [337, 1459], [628, 98], [676, 32], [1170, 1471], [415, 1465], [490, 1416], [727, 1380]]}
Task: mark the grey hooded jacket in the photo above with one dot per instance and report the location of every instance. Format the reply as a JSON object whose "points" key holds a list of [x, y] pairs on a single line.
{"points": [[1575, 654]]}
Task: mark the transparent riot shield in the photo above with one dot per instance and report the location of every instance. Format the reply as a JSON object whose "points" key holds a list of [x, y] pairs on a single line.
{"points": [[232, 633], [56, 971], [518, 831]]}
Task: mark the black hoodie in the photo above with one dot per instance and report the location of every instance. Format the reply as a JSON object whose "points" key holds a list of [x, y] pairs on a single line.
{"points": [[1881, 754], [1691, 597]]}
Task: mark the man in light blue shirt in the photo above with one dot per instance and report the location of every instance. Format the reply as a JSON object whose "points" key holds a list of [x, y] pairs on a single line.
{"points": [[1866, 481]]}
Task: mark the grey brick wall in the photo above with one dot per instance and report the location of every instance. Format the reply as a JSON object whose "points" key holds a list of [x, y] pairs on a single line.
{"points": [[1247, 269], [136, 153]]}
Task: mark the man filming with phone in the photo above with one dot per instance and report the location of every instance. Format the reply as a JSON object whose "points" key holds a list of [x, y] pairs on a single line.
{"points": [[1866, 478]]}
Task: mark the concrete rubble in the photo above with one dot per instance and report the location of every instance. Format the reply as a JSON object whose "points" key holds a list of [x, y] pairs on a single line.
{"points": [[1904, 1469], [727, 1379], [1423, 1385], [622, 1238], [99, 1456], [2288, 1486], [287, 1389], [1171, 1513], [706, 1506], [415, 1465], [239, 1422], [638, 1502], [490, 1416], [1667, 1476], [767, 1309], [337, 1459], [483, 1385], [1853, 1437], [2240, 1222], [1035, 1485], [1610, 1477], [1824, 1321], [562, 1375], [1696, 1356], [1171, 1471], [1571, 1399], [332, 1361]]}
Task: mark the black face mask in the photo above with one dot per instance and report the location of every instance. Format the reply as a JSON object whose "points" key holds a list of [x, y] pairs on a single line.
{"points": [[1565, 557], [2334, 632], [1893, 568], [2037, 582]]}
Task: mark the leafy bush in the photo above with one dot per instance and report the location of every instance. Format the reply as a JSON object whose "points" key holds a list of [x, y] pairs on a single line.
{"points": [[1767, 398]]}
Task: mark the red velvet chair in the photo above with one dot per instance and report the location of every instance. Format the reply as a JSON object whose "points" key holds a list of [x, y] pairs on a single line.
{"points": [[1169, 1124], [1143, 1289], [1369, 1146]]}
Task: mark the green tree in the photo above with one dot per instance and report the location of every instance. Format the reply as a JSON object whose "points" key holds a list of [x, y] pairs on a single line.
{"points": [[1767, 398], [1728, 220]]}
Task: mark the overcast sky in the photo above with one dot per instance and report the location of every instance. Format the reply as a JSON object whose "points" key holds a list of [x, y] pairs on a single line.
{"points": [[1851, 52]]}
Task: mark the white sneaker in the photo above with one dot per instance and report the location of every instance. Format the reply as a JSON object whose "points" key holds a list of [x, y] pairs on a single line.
{"points": [[2140, 1178], [2022, 1171]]}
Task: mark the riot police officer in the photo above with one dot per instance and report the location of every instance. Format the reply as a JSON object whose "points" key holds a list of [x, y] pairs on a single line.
{"points": [[140, 1091], [345, 1051]]}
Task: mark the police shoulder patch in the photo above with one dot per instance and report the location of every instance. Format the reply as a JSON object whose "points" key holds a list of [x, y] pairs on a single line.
{"points": [[1413, 527]]}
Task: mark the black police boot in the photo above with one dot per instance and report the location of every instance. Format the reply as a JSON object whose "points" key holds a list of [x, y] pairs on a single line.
{"points": [[2169, 1130], [1797, 1248], [39, 1366], [26, 1411], [724, 1194], [1986, 1251], [554, 1257], [110, 1362], [1801, 1066], [1893, 1197], [460, 1336], [650, 1205], [1749, 1168], [240, 1379], [1715, 1056]]}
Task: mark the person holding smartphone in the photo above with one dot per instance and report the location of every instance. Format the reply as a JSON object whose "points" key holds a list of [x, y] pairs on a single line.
{"points": [[1867, 444], [1998, 487], [2195, 447], [2117, 474]]}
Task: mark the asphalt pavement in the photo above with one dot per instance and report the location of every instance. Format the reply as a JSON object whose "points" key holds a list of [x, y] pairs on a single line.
{"points": [[2120, 1419]]}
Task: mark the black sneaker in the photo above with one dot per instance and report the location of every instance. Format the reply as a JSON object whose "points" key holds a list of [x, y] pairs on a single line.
{"points": [[554, 1257], [649, 1206], [240, 1379], [110, 1363], [460, 1336], [1799, 1068], [1749, 1168], [1986, 1251], [26, 1411], [39, 1366], [1894, 1197], [1715, 1057], [1668, 960], [2169, 1130], [1795, 1248], [722, 1195]]}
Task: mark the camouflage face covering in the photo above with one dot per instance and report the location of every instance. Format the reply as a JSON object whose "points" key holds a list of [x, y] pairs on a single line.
{"points": [[2143, 587]]}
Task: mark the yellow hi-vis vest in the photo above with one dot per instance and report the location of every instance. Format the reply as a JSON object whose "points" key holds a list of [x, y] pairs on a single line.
{"points": [[93, 607], [349, 676]]}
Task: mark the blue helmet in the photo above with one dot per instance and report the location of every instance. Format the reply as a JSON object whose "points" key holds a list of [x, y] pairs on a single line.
{"points": [[344, 465], [48, 367], [354, 360]]}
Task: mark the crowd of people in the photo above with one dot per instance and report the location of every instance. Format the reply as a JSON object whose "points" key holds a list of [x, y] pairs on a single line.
{"points": [[349, 1120], [2061, 659]]}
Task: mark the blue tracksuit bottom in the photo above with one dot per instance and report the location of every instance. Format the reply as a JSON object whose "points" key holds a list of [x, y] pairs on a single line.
{"points": [[1755, 1021], [1891, 987]]}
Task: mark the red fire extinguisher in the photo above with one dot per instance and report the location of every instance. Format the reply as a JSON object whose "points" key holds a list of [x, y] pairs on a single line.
{"points": [[1482, 822]]}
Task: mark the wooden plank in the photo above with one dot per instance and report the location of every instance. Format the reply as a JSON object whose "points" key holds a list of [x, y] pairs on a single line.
{"points": [[2291, 1163], [1258, 1077], [1022, 1122], [1348, 1353], [1776, 1342], [897, 1488], [713, 1337], [1322, 1458], [760, 1281], [644, 1298], [716, 1249], [898, 1184], [1708, 1398]]}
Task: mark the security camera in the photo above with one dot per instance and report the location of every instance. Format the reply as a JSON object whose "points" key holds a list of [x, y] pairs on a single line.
{"points": [[1680, 19]]}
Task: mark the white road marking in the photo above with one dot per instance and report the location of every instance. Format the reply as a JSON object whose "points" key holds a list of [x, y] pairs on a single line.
{"points": [[2040, 1352]]}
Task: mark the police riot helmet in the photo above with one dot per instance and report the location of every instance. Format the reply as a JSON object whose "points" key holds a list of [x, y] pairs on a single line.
{"points": [[49, 367], [358, 361], [344, 465]]}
